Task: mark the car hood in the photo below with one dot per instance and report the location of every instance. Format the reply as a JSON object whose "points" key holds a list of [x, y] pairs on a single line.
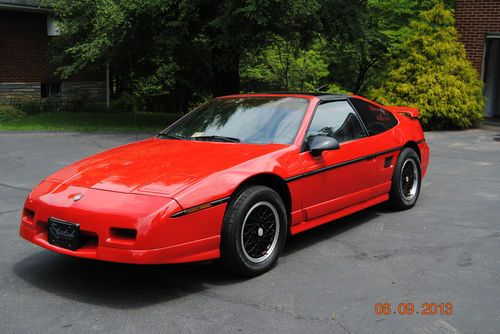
{"points": [[157, 166]]}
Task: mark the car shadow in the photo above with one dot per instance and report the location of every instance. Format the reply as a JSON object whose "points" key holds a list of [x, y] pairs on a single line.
{"points": [[122, 286], [126, 286], [327, 231]]}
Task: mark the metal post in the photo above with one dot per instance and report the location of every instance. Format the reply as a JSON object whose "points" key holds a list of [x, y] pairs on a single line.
{"points": [[107, 84]]}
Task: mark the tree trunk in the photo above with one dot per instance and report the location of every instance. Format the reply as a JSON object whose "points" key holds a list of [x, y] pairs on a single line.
{"points": [[226, 71]]}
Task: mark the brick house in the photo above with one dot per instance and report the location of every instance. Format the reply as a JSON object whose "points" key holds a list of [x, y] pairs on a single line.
{"points": [[478, 24], [26, 70]]}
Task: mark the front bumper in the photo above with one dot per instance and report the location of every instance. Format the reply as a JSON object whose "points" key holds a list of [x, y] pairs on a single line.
{"points": [[158, 238]]}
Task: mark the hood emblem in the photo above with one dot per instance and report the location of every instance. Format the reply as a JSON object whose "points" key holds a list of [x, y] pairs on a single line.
{"points": [[77, 197]]}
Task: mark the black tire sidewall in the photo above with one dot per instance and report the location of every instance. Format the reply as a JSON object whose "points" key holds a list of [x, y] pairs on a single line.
{"points": [[396, 194], [231, 248]]}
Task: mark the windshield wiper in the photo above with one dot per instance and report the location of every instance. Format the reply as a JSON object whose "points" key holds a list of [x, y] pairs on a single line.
{"points": [[170, 136], [217, 138]]}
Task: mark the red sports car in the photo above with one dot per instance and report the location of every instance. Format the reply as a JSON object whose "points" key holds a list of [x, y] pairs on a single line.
{"points": [[231, 180]]}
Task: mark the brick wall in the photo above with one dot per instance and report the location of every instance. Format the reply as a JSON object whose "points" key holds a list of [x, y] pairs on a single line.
{"points": [[475, 18], [24, 51], [25, 63]]}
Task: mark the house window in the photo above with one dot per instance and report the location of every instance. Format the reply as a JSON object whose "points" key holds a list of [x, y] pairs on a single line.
{"points": [[50, 89]]}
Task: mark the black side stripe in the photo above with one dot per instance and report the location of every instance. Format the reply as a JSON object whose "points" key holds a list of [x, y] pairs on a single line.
{"points": [[300, 176], [211, 204], [342, 164]]}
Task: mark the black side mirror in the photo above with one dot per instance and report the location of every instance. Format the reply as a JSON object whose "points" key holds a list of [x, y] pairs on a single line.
{"points": [[323, 143]]}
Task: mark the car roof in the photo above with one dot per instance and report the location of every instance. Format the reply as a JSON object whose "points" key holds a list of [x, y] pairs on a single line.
{"points": [[320, 96]]}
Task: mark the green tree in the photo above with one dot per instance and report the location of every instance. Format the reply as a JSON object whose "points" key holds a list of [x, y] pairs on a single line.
{"points": [[234, 27], [355, 43], [163, 48], [355, 59], [285, 66], [433, 74], [350, 46], [364, 35], [149, 45], [394, 16]]}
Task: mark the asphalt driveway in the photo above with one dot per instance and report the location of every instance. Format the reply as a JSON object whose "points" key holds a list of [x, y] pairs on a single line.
{"points": [[445, 250]]}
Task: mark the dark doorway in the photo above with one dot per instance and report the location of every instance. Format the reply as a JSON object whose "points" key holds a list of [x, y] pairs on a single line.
{"points": [[492, 76]]}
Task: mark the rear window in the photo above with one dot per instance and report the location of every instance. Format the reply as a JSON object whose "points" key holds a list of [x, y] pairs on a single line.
{"points": [[376, 119]]}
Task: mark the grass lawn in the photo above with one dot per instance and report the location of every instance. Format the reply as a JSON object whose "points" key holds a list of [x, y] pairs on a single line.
{"points": [[91, 122]]}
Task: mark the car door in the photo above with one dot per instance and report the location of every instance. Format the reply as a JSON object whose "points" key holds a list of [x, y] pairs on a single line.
{"points": [[383, 141], [340, 178]]}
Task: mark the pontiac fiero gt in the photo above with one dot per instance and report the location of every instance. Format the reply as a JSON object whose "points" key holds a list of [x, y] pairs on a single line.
{"points": [[231, 180]]}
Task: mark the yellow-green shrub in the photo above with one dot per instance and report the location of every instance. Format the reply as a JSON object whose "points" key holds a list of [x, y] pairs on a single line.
{"points": [[433, 74]]}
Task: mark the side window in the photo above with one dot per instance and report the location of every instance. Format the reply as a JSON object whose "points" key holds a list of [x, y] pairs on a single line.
{"points": [[376, 119], [335, 119]]}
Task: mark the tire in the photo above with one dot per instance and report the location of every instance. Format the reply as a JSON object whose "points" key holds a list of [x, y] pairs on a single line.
{"points": [[254, 231], [404, 192]]}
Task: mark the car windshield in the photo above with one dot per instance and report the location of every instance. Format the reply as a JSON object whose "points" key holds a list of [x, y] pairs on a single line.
{"points": [[257, 120]]}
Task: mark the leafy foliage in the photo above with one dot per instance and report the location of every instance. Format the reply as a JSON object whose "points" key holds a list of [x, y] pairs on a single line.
{"points": [[9, 113], [285, 66], [356, 45], [394, 16], [167, 55], [434, 75], [168, 49]]}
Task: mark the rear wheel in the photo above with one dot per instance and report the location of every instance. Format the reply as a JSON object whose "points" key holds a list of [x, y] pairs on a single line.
{"points": [[254, 231], [406, 180]]}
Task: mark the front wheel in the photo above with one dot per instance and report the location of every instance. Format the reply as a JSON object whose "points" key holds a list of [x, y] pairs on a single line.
{"points": [[254, 231], [406, 180]]}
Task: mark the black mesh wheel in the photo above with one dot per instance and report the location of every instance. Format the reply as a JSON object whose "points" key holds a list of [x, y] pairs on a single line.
{"points": [[254, 231], [406, 180]]}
